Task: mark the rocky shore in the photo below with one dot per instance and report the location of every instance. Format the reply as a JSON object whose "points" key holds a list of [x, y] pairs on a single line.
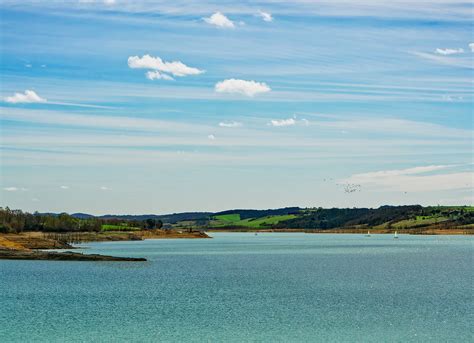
{"points": [[11, 254], [31, 245]]}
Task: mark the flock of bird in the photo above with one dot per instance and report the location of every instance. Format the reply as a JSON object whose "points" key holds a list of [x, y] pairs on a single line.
{"points": [[347, 187]]}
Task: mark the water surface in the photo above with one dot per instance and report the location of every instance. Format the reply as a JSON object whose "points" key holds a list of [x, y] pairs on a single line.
{"points": [[287, 287]]}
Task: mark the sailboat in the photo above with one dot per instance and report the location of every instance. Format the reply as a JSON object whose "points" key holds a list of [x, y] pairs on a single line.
{"points": [[395, 235], [368, 234]]}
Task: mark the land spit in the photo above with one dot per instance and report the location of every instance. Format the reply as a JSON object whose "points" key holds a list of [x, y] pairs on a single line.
{"points": [[30, 245]]}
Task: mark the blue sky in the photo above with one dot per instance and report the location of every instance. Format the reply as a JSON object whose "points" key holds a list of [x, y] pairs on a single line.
{"points": [[267, 104]]}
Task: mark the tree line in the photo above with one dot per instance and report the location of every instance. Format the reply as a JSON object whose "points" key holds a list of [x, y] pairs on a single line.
{"points": [[16, 221], [352, 217]]}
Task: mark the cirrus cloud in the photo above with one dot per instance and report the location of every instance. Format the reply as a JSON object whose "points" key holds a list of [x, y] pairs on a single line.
{"points": [[220, 20], [28, 97], [248, 88]]}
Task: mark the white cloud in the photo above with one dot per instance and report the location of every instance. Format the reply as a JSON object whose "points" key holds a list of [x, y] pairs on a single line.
{"points": [[109, 2], [211, 137], [230, 124], [265, 16], [449, 51], [249, 88], [64, 187], [412, 179], [175, 68], [14, 189], [471, 46], [156, 75], [103, 188], [28, 97], [283, 122], [452, 98], [220, 20]]}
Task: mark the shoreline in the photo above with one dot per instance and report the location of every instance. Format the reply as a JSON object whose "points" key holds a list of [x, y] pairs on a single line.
{"points": [[446, 232], [10, 254], [31, 245]]}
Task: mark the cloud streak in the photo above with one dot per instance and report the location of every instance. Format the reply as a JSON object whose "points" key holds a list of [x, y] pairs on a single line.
{"points": [[414, 179], [444, 59]]}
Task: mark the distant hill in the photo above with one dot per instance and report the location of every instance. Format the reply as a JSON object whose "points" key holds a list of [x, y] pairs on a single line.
{"points": [[165, 218], [245, 214], [82, 215], [384, 217]]}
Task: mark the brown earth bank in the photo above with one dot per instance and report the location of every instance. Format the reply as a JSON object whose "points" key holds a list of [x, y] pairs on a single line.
{"points": [[21, 246]]}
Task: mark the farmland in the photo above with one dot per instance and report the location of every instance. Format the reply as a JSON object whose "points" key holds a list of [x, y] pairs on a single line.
{"points": [[234, 220]]}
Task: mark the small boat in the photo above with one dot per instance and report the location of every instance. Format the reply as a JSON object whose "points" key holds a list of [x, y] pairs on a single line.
{"points": [[368, 234], [395, 235], [256, 234]]}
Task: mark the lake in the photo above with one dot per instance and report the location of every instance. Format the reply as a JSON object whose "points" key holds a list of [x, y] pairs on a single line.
{"points": [[274, 287]]}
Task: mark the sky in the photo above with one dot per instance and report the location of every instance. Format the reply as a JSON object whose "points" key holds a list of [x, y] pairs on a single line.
{"points": [[170, 106]]}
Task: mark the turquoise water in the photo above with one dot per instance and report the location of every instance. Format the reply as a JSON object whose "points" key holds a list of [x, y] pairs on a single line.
{"points": [[241, 287]]}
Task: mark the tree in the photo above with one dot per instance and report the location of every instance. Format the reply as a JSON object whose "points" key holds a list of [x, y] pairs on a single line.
{"points": [[150, 223]]}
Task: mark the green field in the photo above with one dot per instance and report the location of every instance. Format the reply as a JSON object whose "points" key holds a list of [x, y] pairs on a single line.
{"points": [[232, 218], [451, 208], [109, 227], [419, 221], [254, 223]]}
